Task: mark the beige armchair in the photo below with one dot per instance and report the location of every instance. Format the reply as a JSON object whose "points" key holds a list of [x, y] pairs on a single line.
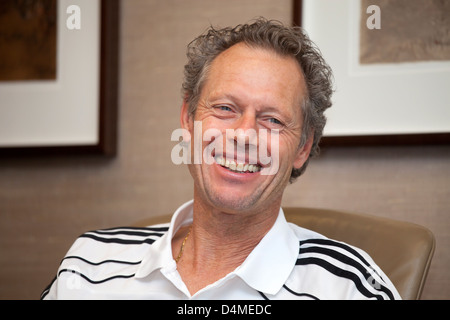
{"points": [[403, 250]]}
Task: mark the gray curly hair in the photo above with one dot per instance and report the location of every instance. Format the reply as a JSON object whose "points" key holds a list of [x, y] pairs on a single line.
{"points": [[286, 41]]}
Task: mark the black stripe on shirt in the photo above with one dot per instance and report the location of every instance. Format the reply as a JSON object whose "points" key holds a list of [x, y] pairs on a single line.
{"points": [[128, 233], [102, 262], [300, 294], [117, 240], [341, 245], [328, 251], [343, 274], [263, 295], [133, 231], [346, 260], [156, 229], [96, 281], [47, 289]]}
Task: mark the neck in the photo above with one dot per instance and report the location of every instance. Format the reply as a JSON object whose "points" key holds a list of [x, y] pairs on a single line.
{"points": [[219, 242], [222, 229]]}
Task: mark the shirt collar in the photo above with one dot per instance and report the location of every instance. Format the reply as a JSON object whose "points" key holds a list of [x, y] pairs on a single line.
{"points": [[266, 268], [159, 254], [269, 265]]}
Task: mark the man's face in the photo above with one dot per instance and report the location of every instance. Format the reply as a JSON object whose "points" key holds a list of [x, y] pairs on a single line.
{"points": [[254, 90]]}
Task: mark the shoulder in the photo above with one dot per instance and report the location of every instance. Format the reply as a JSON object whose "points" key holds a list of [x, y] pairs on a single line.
{"points": [[125, 235], [100, 256], [332, 269], [125, 243]]}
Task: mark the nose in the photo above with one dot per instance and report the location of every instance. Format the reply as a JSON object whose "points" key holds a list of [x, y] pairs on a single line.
{"points": [[243, 132], [247, 120]]}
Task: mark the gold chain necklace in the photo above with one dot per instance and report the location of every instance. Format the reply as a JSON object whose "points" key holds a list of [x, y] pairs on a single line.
{"points": [[182, 246]]}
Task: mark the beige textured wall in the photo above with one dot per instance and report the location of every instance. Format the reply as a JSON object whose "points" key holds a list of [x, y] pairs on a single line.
{"points": [[46, 202]]}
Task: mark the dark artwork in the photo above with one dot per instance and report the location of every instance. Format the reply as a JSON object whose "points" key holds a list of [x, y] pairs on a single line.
{"points": [[27, 40]]}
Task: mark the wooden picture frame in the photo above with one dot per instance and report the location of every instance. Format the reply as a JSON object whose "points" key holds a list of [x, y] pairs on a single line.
{"points": [[106, 111], [372, 139]]}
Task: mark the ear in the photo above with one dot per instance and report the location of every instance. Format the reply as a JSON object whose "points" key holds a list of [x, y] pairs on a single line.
{"points": [[303, 152], [185, 117]]}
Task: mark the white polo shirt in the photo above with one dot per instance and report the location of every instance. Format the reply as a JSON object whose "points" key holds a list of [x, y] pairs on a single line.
{"points": [[290, 262]]}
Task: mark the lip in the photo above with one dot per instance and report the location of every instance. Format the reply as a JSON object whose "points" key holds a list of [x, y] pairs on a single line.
{"points": [[235, 176]]}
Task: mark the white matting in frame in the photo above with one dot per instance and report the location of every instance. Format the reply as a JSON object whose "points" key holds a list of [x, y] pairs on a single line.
{"points": [[376, 99], [63, 112]]}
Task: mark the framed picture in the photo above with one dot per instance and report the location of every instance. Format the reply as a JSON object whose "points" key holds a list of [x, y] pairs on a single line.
{"points": [[59, 85], [391, 64]]}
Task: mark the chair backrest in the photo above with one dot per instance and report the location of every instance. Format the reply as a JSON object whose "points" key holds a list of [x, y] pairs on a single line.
{"points": [[403, 250]]}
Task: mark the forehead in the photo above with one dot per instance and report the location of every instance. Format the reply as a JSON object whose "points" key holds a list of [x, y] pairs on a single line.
{"points": [[257, 74]]}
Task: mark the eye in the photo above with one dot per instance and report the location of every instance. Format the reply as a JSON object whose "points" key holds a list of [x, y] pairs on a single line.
{"points": [[271, 122], [224, 108], [275, 121], [223, 111]]}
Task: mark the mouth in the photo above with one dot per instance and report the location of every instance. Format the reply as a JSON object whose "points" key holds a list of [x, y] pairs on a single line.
{"points": [[237, 167]]}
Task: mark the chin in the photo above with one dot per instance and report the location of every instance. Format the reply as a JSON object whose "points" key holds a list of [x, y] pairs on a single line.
{"points": [[233, 204]]}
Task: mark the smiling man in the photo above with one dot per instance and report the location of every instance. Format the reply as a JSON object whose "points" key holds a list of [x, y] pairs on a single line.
{"points": [[256, 89]]}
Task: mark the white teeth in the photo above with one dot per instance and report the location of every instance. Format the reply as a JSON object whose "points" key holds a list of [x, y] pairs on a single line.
{"points": [[238, 167]]}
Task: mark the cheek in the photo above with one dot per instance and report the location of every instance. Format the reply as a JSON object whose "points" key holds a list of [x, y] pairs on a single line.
{"points": [[208, 139], [285, 146], [276, 153]]}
